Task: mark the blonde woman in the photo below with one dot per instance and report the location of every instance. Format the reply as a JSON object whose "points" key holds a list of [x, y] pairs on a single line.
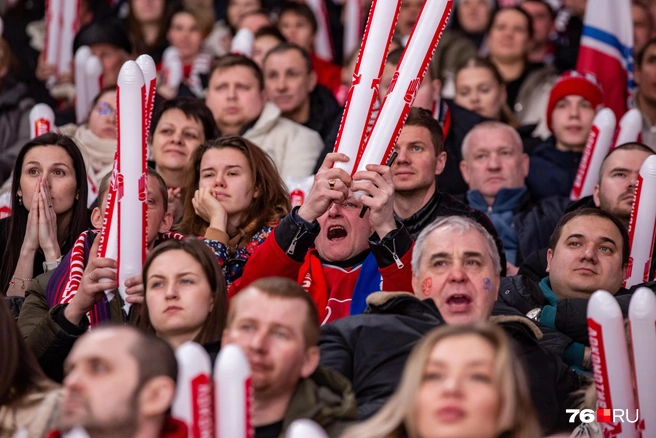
{"points": [[459, 381]]}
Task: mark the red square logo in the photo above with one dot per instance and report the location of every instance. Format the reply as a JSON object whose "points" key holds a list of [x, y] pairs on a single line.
{"points": [[604, 415]]}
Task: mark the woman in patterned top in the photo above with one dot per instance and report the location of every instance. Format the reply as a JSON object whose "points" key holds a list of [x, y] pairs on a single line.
{"points": [[234, 198]]}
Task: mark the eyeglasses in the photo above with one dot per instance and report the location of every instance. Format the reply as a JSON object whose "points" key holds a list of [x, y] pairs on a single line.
{"points": [[104, 109]]}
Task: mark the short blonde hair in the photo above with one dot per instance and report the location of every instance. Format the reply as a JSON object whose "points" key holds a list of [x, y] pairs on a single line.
{"points": [[516, 418]]}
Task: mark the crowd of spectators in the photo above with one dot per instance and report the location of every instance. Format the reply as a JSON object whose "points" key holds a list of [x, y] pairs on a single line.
{"points": [[449, 301]]}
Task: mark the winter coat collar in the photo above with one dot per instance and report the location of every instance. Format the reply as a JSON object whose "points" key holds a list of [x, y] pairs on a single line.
{"points": [[326, 397], [506, 200]]}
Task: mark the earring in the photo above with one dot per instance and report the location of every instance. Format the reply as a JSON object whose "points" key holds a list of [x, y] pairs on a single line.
{"points": [[20, 200]]}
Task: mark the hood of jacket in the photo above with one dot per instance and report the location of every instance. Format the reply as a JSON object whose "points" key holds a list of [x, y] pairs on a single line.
{"points": [[326, 397]]}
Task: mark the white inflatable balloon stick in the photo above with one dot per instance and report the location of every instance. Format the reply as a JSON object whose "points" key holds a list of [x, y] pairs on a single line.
{"points": [[642, 321], [193, 403], [233, 393], [42, 120], [642, 226], [610, 361], [599, 143]]}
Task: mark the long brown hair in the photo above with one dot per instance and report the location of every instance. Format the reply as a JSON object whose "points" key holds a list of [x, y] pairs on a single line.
{"points": [[516, 418], [19, 369], [216, 319], [271, 204], [18, 219]]}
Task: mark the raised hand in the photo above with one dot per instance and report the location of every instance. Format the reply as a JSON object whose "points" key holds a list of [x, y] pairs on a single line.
{"points": [[377, 181], [210, 209], [47, 224], [175, 203], [92, 289], [31, 239], [134, 289], [330, 185]]}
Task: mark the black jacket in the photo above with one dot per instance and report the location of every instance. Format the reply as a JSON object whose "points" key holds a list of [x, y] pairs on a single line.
{"points": [[462, 121], [552, 171], [325, 117], [371, 350], [570, 322], [534, 266], [442, 204], [534, 221]]}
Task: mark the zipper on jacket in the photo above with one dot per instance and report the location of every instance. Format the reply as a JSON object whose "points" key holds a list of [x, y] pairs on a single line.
{"points": [[292, 247], [397, 260]]}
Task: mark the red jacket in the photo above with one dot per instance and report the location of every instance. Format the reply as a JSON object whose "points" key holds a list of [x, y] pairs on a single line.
{"points": [[289, 254]]}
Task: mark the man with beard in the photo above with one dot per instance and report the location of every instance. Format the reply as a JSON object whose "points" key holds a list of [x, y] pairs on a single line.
{"points": [[119, 382], [618, 176]]}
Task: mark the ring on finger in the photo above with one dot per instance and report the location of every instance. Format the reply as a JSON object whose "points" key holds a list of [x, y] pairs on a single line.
{"points": [[331, 184]]}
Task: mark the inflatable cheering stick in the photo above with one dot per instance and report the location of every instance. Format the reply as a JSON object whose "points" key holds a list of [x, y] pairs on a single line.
{"points": [[232, 392], [642, 226], [642, 320], [42, 120], [610, 361], [630, 127], [193, 402], [598, 145], [363, 95], [406, 81]]}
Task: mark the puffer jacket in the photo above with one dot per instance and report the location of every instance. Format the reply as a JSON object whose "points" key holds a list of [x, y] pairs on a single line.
{"points": [[293, 147], [371, 350], [326, 398]]}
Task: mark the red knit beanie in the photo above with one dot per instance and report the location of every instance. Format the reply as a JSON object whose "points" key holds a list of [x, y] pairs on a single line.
{"points": [[574, 83]]}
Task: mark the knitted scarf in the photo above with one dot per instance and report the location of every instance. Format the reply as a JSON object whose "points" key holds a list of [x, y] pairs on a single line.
{"points": [[66, 279]]}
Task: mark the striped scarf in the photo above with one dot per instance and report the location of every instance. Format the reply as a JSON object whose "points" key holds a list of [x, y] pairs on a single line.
{"points": [[66, 279]]}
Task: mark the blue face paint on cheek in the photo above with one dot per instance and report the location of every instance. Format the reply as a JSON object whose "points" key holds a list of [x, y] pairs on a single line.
{"points": [[487, 284]]}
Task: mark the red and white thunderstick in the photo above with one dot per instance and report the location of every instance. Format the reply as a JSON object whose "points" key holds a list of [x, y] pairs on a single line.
{"points": [[363, 94], [42, 120], [233, 394], [323, 43], [630, 127], [94, 77], [82, 100], [305, 428], [610, 361], [149, 70], [642, 227], [69, 28], [598, 145], [53, 31], [172, 66], [193, 403], [642, 320], [353, 22], [407, 79], [242, 43], [124, 225]]}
